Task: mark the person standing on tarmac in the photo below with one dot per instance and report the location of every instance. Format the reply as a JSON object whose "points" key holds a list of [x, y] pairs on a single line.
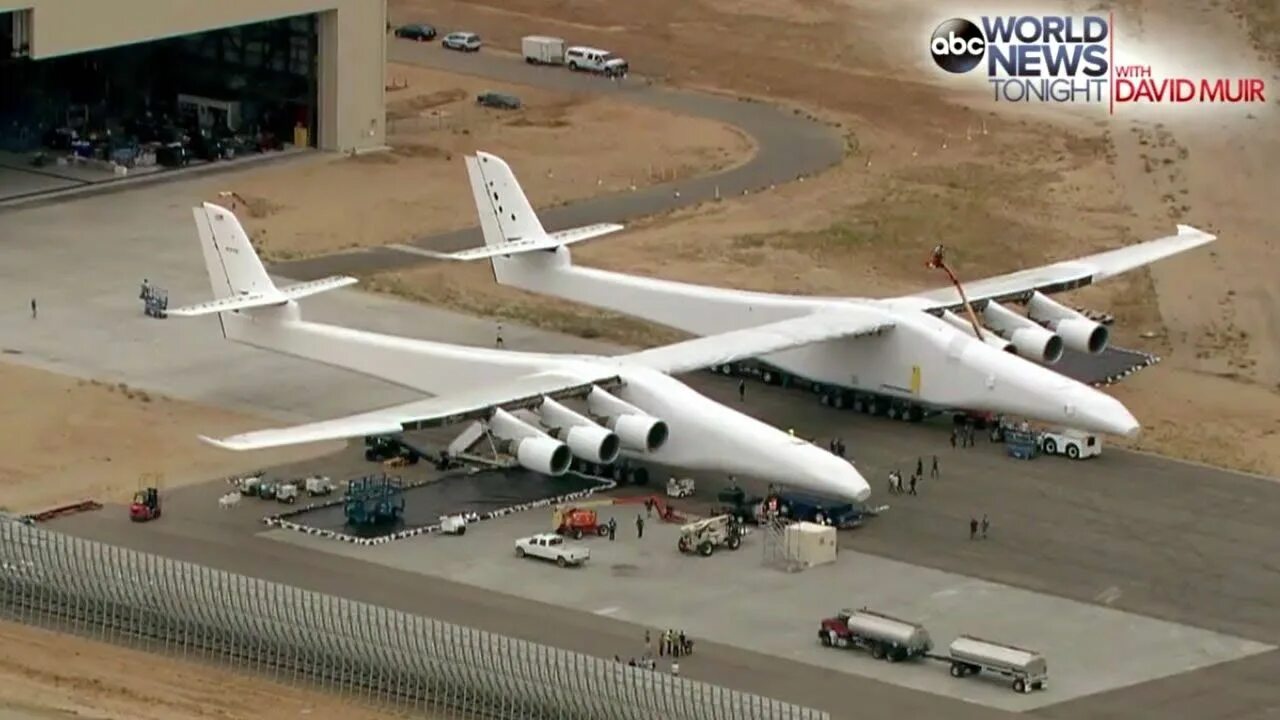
{"points": [[933, 472], [639, 526], [985, 525], [920, 466], [973, 528], [613, 529], [742, 391], [913, 485]]}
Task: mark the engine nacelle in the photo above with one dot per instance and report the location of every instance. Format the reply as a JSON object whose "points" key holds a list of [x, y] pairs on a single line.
{"points": [[1077, 331], [988, 337], [584, 437], [534, 449], [637, 429], [1031, 341]]}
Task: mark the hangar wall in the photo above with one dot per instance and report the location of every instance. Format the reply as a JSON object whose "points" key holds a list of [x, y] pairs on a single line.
{"points": [[352, 46]]}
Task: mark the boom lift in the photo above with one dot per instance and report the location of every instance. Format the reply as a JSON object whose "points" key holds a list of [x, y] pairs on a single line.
{"points": [[937, 261]]}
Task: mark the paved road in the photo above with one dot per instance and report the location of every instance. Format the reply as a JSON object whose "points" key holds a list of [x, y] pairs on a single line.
{"points": [[789, 145]]}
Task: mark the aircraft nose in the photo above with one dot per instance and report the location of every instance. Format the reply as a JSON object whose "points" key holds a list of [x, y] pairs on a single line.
{"points": [[1100, 412], [831, 475]]}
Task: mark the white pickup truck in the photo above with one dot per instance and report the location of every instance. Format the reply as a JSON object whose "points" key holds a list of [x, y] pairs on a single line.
{"points": [[549, 546]]}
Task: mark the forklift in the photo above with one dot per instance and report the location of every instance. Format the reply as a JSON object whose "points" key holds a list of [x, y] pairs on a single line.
{"points": [[146, 505], [146, 502]]}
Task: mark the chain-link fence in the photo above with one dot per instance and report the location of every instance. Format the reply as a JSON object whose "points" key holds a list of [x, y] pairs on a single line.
{"points": [[355, 649]]}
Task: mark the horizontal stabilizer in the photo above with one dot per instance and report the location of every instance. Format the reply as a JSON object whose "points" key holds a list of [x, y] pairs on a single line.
{"points": [[761, 340], [516, 247], [306, 289], [239, 302], [264, 299]]}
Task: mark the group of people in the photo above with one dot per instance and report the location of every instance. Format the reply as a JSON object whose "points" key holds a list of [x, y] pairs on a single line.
{"points": [[974, 526], [962, 435], [895, 477], [837, 447], [672, 642]]}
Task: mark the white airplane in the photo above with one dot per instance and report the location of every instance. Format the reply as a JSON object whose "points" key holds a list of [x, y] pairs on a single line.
{"points": [[925, 357], [632, 404]]}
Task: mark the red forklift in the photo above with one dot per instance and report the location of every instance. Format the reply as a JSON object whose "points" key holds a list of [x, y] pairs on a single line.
{"points": [[146, 505]]}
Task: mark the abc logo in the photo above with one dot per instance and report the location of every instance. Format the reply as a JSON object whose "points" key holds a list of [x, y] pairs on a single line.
{"points": [[957, 45]]}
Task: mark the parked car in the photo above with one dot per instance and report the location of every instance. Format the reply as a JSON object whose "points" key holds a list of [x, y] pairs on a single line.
{"points": [[416, 31], [502, 101], [464, 41], [549, 546]]}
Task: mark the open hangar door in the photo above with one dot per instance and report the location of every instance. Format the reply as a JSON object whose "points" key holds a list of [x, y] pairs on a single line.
{"points": [[135, 109]]}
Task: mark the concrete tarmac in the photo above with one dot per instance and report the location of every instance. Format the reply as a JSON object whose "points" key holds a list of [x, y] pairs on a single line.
{"points": [[645, 580]]}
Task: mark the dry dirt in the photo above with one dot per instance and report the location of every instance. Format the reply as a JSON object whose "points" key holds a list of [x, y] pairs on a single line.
{"points": [[62, 676], [86, 440], [936, 161], [569, 143]]}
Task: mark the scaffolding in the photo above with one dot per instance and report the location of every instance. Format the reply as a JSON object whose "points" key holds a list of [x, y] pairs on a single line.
{"points": [[779, 552]]}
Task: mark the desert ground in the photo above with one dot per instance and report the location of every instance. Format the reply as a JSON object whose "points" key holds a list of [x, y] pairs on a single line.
{"points": [[569, 143], [936, 161], [61, 676], [85, 439]]}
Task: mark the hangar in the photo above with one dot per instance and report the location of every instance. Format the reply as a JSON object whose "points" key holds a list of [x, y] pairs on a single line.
{"points": [[93, 91]]}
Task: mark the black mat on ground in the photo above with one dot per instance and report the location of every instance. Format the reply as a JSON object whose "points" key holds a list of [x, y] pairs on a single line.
{"points": [[1107, 366], [463, 493]]}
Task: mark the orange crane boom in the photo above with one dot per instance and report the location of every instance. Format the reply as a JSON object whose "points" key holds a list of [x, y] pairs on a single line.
{"points": [[936, 261]]}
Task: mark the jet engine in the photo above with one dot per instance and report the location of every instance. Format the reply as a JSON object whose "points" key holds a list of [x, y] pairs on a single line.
{"points": [[1077, 331], [1031, 340], [533, 448], [637, 429], [584, 437], [988, 337]]}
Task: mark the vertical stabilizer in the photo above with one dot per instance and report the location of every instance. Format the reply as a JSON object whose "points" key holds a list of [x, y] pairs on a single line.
{"points": [[234, 267], [509, 215]]}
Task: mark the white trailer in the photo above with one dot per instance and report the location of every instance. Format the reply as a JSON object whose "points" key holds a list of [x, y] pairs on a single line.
{"points": [[970, 655], [542, 50]]}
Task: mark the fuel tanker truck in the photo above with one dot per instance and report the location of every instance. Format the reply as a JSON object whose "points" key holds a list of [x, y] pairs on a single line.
{"points": [[885, 637]]}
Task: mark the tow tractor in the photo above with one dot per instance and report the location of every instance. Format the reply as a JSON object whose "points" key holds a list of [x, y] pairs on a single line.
{"points": [[146, 505], [704, 536]]}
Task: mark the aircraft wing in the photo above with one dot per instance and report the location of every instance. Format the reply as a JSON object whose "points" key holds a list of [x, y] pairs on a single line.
{"points": [[527, 391], [1069, 274], [760, 340]]}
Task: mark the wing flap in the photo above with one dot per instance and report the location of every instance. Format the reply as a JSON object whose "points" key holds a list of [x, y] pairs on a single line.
{"points": [[761, 340], [1071, 274], [524, 392]]}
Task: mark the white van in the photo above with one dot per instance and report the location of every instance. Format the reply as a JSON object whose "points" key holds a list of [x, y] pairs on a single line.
{"points": [[595, 60]]}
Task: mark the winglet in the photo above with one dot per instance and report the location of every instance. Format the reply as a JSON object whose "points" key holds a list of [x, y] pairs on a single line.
{"points": [[1189, 230]]}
